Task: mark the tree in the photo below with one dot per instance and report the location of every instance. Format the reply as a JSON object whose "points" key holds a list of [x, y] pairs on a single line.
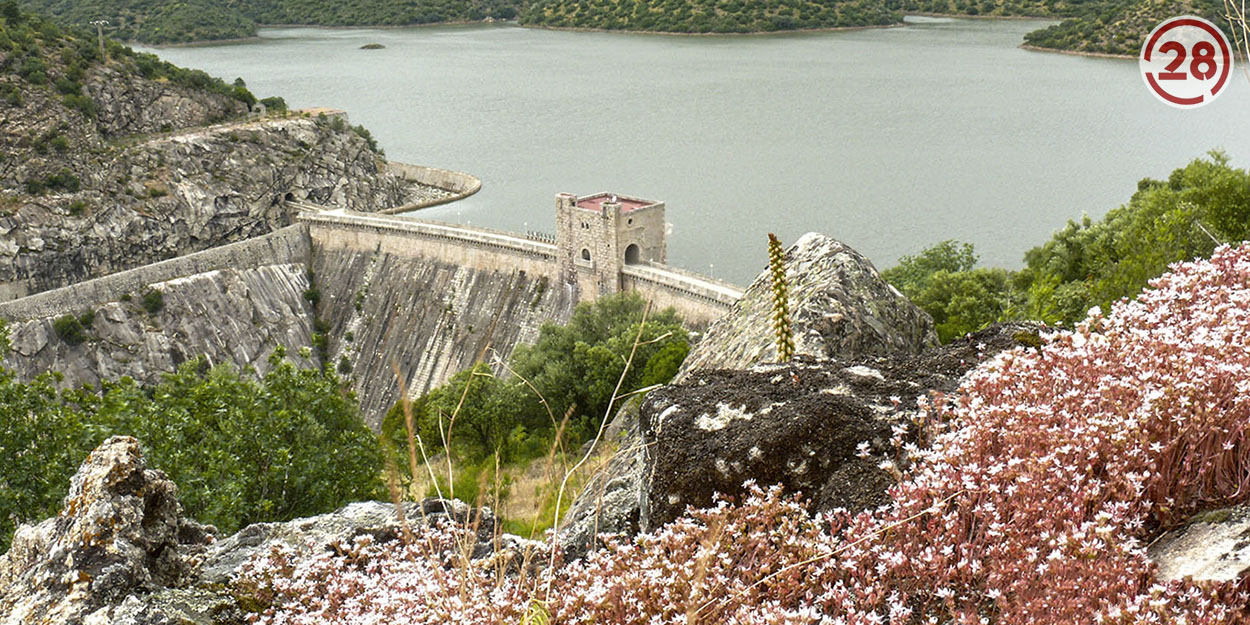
{"points": [[1091, 263], [943, 281], [241, 450], [578, 365], [913, 272]]}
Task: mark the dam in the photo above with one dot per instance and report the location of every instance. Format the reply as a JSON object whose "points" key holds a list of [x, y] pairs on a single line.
{"points": [[386, 298]]}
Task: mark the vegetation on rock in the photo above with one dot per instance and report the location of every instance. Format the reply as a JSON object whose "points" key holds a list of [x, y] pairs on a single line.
{"points": [[155, 22], [1120, 27], [40, 53], [781, 299]]}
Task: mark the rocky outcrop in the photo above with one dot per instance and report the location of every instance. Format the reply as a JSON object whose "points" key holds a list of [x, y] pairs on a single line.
{"points": [[237, 316], [173, 194], [818, 428], [121, 553], [1214, 546], [121, 532], [839, 307], [126, 104]]}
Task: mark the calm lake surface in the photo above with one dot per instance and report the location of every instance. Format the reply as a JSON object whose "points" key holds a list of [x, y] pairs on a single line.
{"points": [[888, 139]]}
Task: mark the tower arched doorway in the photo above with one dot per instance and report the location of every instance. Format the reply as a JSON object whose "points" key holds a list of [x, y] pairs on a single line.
{"points": [[633, 254]]}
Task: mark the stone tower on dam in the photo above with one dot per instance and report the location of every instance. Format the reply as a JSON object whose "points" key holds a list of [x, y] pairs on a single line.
{"points": [[597, 235]]}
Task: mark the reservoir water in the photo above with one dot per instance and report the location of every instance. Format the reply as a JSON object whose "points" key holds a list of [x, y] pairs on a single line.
{"points": [[889, 139]]}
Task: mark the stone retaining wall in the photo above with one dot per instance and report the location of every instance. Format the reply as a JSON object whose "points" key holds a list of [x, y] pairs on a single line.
{"points": [[288, 245]]}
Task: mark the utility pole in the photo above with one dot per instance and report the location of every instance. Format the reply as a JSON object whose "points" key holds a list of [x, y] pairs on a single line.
{"points": [[99, 31]]}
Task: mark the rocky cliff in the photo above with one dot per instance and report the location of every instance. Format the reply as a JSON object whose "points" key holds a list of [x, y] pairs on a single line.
{"points": [[112, 162], [169, 195]]}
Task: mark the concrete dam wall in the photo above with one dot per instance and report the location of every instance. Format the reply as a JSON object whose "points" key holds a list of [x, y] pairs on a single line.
{"points": [[425, 315], [236, 316]]}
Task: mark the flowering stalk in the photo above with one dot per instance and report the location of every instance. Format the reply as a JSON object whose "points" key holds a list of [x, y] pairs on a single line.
{"points": [[781, 300]]}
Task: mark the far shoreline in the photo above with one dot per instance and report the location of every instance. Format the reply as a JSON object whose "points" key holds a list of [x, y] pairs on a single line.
{"points": [[1096, 55], [754, 33]]}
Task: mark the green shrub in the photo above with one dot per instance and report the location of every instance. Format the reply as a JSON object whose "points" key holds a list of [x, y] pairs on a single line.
{"points": [[274, 105], [576, 368], [288, 444], [70, 329], [153, 301]]}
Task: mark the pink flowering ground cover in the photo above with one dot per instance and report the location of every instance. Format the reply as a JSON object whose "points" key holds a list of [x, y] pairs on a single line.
{"points": [[1048, 472]]}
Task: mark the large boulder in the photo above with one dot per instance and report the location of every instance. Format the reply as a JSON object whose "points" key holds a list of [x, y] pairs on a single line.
{"points": [[121, 532], [839, 308], [1214, 546], [820, 429]]}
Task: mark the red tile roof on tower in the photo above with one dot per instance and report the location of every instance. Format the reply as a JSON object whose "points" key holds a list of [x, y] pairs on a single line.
{"points": [[595, 202]]}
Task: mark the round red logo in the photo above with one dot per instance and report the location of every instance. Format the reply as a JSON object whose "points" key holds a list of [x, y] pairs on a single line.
{"points": [[1185, 61]]}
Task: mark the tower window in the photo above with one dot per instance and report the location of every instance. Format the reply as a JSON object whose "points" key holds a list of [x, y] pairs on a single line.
{"points": [[585, 254]]}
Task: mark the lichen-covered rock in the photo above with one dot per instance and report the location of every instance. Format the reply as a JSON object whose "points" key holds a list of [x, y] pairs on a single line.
{"points": [[800, 425], [121, 553], [839, 306], [342, 526], [1214, 546], [121, 532]]}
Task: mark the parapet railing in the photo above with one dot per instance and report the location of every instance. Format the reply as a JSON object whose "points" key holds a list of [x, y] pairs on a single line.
{"points": [[685, 283], [544, 237], [481, 238]]}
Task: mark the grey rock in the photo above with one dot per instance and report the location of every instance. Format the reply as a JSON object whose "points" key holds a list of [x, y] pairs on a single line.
{"points": [[839, 307], [121, 553], [312, 534], [798, 424], [608, 503], [1214, 546], [237, 316], [121, 532], [172, 194]]}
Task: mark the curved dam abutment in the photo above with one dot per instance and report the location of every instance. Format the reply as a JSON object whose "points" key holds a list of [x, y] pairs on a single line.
{"points": [[459, 184]]}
